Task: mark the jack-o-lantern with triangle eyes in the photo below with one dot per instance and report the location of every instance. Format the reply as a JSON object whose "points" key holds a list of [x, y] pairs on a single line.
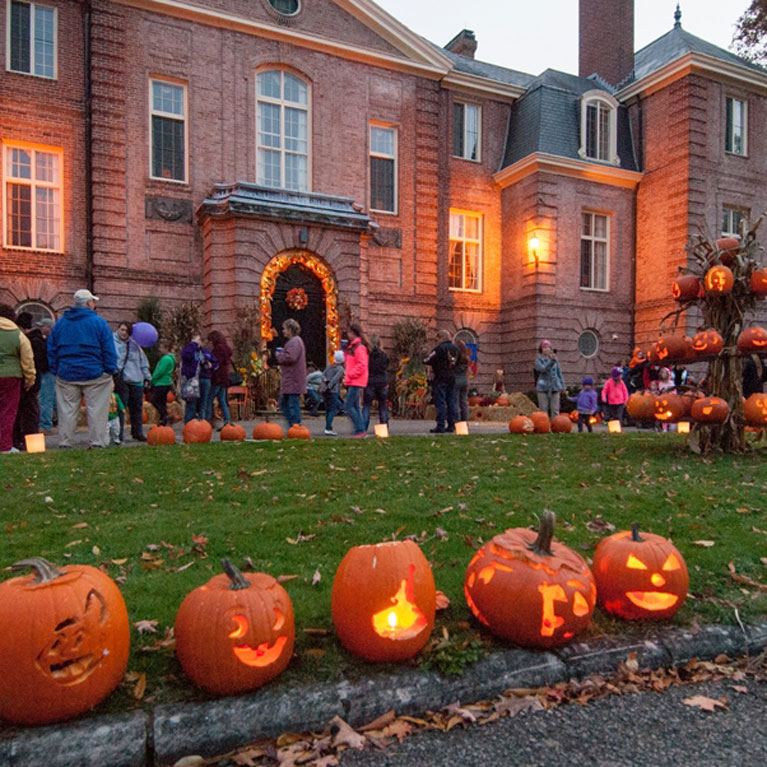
{"points": [[64, 641], [530, 589], [669, 408], [640, 575], [383, 600], [236, 632], [710, 410]]}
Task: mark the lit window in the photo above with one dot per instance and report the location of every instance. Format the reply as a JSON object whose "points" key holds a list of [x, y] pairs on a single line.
{"points": [[168, 121], [595, 256], [32, 197], [383, 168], [599, 132], [731, 218], [282, 131], [466, 128], [32, 39], [735, 129], [465, 258]]}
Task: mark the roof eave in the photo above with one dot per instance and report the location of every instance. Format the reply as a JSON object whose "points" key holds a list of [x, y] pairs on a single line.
{"points": [[483, 86]]}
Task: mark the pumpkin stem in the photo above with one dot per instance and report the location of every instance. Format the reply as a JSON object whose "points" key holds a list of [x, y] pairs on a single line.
{"points": [[44, 570], [237, 579], [635, 533], [542, 544]]}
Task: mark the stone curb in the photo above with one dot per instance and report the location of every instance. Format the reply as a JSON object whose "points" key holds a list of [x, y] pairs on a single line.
{"points": [[169, 732]]}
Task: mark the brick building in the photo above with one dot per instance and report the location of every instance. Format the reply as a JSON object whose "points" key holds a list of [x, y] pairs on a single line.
{"points": [[228, 152]]}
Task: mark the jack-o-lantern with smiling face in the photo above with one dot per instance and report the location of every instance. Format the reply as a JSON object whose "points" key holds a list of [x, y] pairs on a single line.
{"points": [[64, 641], [752, 339], [706, 342], [236, 632], [755, 409], [640, 575]]}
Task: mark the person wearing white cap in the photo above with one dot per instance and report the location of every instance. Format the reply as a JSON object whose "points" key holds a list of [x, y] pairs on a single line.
{"points": [[81, 354]]}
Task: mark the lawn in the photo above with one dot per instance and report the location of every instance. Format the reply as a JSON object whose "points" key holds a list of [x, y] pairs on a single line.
{"points": [[159, 520]]}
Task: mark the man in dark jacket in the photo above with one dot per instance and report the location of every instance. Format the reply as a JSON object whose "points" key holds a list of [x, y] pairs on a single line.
{"points": [[28, 414], [81, 354], [442, 360]]}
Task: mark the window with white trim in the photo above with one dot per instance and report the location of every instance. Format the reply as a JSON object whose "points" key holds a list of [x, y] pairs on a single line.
{"points": [[731, 218], [735, 126], [466, 131], [282, 130], [383, 168], [595, 251], [465, 258], [599, 127], [31, 39], [32, 191], [168, 110]]}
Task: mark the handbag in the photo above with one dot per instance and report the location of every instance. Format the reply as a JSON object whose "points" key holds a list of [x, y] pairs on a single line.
{"points": [[190, 388]]}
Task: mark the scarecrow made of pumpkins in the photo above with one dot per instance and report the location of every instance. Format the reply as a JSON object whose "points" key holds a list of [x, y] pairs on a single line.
{"points": [[724, 282]]}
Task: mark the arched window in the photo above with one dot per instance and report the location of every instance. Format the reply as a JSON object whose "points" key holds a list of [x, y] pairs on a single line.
{"points": [[37, 309], [599, 127], [283, 129]]}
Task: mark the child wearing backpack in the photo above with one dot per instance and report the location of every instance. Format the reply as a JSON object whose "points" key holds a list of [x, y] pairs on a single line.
{"points": [[586, 403]]}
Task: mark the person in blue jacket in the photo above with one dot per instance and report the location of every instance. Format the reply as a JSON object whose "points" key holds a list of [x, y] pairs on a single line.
{"points": [[81, 354]]}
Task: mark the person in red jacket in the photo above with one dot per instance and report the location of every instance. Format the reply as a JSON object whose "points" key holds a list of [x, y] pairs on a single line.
{"points": [[356, 378], [615, 394]]}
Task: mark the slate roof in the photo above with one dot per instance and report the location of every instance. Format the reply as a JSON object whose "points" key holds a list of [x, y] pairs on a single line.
{"points": [[677, 43], [548, 119], [490, 71]]}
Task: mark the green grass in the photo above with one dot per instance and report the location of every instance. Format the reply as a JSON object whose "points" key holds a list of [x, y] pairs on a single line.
{"points": [[248, 500]]}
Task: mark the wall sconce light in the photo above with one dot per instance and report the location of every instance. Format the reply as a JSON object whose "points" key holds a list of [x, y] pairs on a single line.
{"points": [[614, 427], [533, 244], [35, 443]]}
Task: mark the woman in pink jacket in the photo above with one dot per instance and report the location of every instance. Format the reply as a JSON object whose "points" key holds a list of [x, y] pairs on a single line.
{"points": [[615, 394], [356, 378]]}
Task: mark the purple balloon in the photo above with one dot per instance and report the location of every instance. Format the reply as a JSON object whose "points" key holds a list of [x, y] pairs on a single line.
{"points": [[144, 334]]}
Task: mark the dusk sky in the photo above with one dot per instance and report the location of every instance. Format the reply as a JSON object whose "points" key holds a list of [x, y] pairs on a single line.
{"points": [[533, 36]]}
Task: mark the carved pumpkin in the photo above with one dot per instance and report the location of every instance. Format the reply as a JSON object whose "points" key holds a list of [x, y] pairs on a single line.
{"points": [[527, 588], [502, 401], [574, 416], [672, 348], [561, 424], [706, 342], [233, 432], [686, 287], [521, 424], [540, 422], [641, 406], [752, 340], [719, 279], [236, 632], [197, 430], [299, 432], [640, 575], [268, 430], [669, 408], [710, 410], [161, 435], [64, 641], [759, 282], [755, 409], [383, 600]]}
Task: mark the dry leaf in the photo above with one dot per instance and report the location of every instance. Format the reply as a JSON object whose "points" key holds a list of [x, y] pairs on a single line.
{"points": [[514, 705], [745, 579], [96, 551], [318, 632], [381, 722], [247, 755], [146, 627], [286, 578], [704, 702], [705, 544], [443, 602], [399, 728], [79, 525], [119, 561], [316, 578], [345, 735], [140, 688]]}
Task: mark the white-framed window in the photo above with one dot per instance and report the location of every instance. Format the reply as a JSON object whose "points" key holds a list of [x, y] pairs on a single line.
{"points": [[465, 258], [595, 251], [383, 168], [599, 127], [735, 126], [31, 39], [466, 131], [731, 218], [282, 132], [168, 130], [32, 190]]}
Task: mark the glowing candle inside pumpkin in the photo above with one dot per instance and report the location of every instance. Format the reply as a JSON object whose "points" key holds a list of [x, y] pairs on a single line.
{"points": [[403, 619]]}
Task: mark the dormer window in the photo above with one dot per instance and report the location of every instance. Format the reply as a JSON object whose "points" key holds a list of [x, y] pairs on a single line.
{"points": [[599, 127]]}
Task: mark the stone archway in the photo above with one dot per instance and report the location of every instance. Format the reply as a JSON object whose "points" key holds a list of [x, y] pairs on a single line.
{"points": [[300, 270]]}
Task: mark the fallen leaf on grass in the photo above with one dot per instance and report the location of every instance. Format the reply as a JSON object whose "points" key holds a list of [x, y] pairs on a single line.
{"points": [[443, 601], [704, 544], [316, 578], [121, 561], [317, 632], [704, 702], [286, 578], [139, 677], [146, 627], [79, 525], [745, 579]]}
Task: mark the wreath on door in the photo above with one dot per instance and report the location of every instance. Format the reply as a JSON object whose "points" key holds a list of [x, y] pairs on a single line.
{"points": [[297, 299]]}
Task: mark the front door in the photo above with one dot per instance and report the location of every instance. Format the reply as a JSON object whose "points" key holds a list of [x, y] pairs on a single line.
{"points": [[311, 318]]}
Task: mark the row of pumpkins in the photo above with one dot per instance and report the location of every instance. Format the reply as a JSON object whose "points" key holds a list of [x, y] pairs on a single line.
{"points": [[670, 408], [704, 344], [199, 430], [66, 634]]}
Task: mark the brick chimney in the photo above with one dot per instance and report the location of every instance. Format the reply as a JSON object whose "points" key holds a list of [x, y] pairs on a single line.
{"points": [[606, 39], [464, 44]]}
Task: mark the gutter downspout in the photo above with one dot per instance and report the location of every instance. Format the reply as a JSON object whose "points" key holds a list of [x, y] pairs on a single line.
{"points": [[87, 84], [640, 165]]}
